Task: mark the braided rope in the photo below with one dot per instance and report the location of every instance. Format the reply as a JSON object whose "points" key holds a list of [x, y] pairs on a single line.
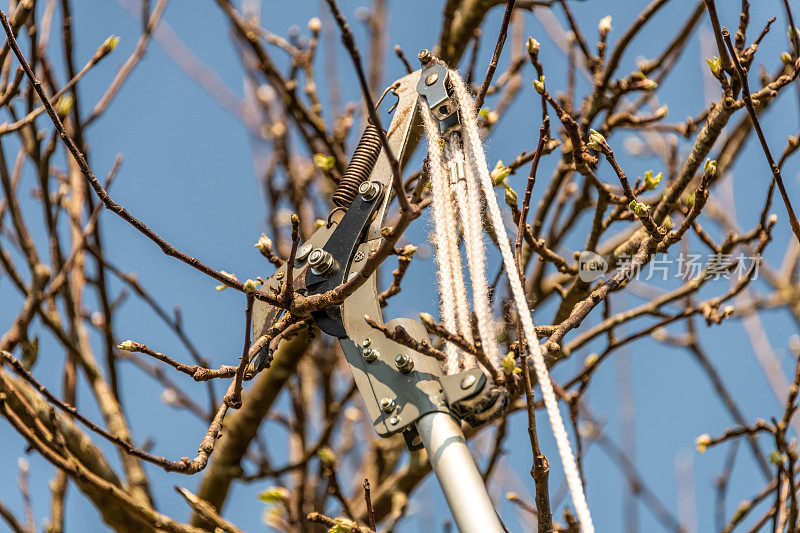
{"points": [[469, 206], [443, 222], [477, 160]]}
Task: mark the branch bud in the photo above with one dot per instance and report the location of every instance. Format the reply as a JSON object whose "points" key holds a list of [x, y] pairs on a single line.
{"points": [[489, 116], [596, 141], [776, 457], [604, 25], [274, 495], [327, 456], [314, 24], [647, 85], [324, 162], [427, 319], [343, 525], [127, 346], [264, 243], [511, 197], [641, 209], [500, 173], [702, 442], [539, 84], [510, 364], [64, 104], [250, 286], [652, 181], [715, 65], [408, 251], [109, 44], [710, 167], [533, 46]]}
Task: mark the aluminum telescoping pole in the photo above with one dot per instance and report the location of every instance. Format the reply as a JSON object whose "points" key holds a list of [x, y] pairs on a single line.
{"points": [[458, 476]]}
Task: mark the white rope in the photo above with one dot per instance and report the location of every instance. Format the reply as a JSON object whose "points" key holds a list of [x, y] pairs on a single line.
{"points": [[459, 192], [477, 160], [454, 256], [444, 225], [469, 205]]}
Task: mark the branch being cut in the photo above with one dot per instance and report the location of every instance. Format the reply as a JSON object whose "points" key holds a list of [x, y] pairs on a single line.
{"points": [[401, 336]]}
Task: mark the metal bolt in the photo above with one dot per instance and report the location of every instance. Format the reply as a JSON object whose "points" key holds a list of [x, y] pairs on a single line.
{"points": [[404, 363], [369, 190], [467, 382], [320, 261], [303, 251], [279, 275], [369, 354], [366, 342], [431, 79], [358, 257], [387, 405], [394, 420], [424, 56]]}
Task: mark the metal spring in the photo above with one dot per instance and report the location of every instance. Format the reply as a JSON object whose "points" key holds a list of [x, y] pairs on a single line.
{"points": [[359, 168]]}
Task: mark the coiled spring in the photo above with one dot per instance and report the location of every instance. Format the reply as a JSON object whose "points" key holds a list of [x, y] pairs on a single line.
{"points": [[359, 168]]}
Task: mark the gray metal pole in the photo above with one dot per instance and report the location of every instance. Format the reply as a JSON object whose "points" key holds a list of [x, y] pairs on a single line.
{"points": [[458, 476]]}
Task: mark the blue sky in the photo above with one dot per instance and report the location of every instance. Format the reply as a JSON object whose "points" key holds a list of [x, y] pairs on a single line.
{"points": [[188, 173]]}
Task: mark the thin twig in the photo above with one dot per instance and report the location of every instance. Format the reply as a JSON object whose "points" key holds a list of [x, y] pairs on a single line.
{"points": [[234, 400], [368, 503], [196, 372], [498, 49], [399, 53], [748, 101]]}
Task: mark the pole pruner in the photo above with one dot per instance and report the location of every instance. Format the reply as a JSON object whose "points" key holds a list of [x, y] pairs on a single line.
{"points": [[403, 391]]}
